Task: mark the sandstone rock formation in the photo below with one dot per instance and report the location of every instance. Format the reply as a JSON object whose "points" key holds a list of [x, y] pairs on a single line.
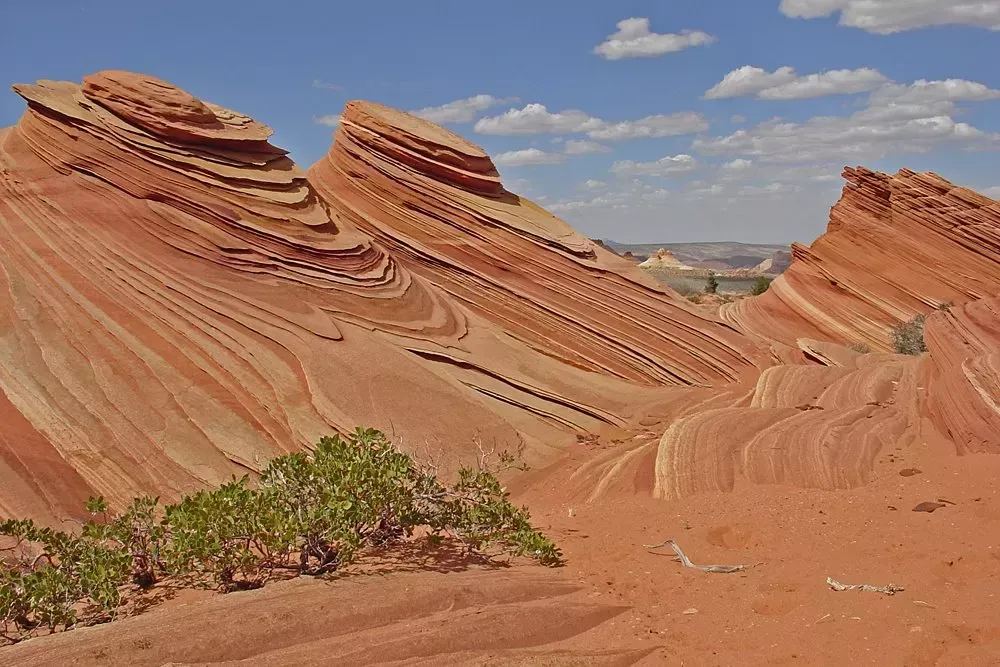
{"points": [[896, 246], [436, 202], [177, 305], [664, 259]]}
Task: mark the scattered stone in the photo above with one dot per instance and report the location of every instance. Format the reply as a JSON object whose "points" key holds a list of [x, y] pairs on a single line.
{"points": [[928, 507], [689, 611], [909, 472]]}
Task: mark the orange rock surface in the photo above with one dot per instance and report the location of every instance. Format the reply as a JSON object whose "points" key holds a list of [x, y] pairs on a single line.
{"points": [[436, 202], [896, 246], [179, 305], [179, 302]]}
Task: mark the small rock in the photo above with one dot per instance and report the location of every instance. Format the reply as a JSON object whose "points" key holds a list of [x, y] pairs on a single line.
{"points": [[928, 507], [909, 472], [689, 611]]}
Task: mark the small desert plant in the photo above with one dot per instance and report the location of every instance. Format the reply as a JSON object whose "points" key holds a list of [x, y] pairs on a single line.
{"points": [[712, 285], [309, 513], [693, 298], [908, 337], [861, 348], [760, 285]]}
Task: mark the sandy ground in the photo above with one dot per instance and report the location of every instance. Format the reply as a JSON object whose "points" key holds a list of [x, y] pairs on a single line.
{"points": [[617, 603]]}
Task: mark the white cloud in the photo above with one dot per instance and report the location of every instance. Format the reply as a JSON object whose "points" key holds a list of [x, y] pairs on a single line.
{"points": [[929, 92], [992, 193], [833, 82], [784, 84], [769, 190], [748, 80], [847, 138], [662, 125], [592, 185], [890, 16], [634, 40], [461, 111], [738, 164], [898, 118], [528, 156], [537, 119], [582, 147], [737, 119], [330, 120], [665, 166]]}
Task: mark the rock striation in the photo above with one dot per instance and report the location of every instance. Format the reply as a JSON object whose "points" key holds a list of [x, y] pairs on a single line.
{"points": [[436, 202], [177, 304], [896, 246]]}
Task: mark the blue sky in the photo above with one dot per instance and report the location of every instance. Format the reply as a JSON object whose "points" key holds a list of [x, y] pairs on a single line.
{"points": [[644, 153]]}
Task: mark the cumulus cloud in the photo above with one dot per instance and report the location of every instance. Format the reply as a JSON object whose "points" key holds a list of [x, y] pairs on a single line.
{"points": [[992, 193], [889, 16], [784, 84], [583, 147], [635, 40], [537, 119], [528, 156], [899, 118], [665, 166], [330, 120], [738, 164], [748, 80], [833, 82], [461, 111], [853, 139], [661, 125], [592, 185]]}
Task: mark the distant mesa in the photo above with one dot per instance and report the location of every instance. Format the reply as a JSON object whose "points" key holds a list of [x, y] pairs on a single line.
{"points": [[664, 259]]}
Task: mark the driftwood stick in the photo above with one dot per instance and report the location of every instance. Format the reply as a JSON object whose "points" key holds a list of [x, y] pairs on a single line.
{"points": [[891, 589], [686, 562]]}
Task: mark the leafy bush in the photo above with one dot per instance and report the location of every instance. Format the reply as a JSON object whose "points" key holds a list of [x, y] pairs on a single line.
{"points": [[760, 285], [309, 513], [908, 337], [712, 285], [861, 348]]}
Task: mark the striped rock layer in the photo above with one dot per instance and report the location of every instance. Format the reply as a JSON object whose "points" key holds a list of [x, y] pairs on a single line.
{"points": [[896, 246], [178, 305]]}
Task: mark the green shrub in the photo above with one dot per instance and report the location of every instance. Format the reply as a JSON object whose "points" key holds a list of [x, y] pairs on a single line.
{"points": [[908, 337], [309, 513], [861, 348], [712, 285], [760, 285]]}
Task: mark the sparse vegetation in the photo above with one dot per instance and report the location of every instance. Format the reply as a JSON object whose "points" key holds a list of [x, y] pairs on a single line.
{"points": [[908, 337], [861, 348], [309, 513], [760, 285], [712, 285]]}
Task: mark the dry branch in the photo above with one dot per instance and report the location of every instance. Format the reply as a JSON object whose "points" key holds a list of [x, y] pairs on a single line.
{"points": [[891, 589], [686, 562]]}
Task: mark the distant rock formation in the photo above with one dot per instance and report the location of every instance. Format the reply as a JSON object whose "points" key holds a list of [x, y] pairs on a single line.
{"points": [[664, 259], [896, 246]]}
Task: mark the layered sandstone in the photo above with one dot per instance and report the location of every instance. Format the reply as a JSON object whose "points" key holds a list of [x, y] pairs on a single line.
{"points": [[896, 246], [177, 305], [435, 201]]}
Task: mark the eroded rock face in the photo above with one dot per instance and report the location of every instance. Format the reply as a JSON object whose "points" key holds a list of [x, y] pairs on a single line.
{"points": [[177, 305], [896, 246], [434, 200]]}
